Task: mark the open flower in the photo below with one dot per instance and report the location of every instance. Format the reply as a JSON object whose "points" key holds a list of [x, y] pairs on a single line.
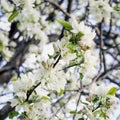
{"points": [[88, 34]]}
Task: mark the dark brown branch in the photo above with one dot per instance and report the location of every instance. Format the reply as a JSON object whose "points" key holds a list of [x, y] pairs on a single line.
{"points": [[31, 91], [69, 7], [57, 5], [103, 74], [15, 62], [103, 60], [5, 110]]}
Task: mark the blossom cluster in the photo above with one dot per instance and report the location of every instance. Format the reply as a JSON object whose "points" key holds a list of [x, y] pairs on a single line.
{"points": [[6, 47], [58, 81], [99, 9], [66, 69]]}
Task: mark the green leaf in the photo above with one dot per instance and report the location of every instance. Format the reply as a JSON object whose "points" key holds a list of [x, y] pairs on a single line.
{"points": [[12, 114], [14, 79], [1, 46], [73, 112], [66, 24], [102, 114], [40, 119], [95, 99], [45, 98], [73, 39], [76, 37], [23, 114], [85, 103], [80, 34], [13, 15], [62, 104], [81, 76], [112, 91], [60, 92], [116, 7], [50, 56], [100, 6], [88, 47], [81, 119], [73, 63], [70, 46]]}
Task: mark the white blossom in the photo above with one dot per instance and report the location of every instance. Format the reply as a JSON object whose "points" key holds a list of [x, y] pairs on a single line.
{"points": [[88, 34], [58, 69], [100, 9], [7, 7]]}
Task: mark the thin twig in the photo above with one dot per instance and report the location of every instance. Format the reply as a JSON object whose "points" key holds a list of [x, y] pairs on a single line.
{"points": [[58, 6]]}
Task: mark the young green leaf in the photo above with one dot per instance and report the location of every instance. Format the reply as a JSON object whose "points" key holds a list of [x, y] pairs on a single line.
{"points": [[80, 34], [13, 15], [14, 79], [23, 114], [45, 98], [70, 46], [62, 104], [81, 76], [100, 6], [60, 92], [73, 112], [12, 114], [85, 103], [116, 7], [95, 99], [103, 114], [81, 119], [76, 37], [73, 39], [112, 91], [1, 46], [66, 24], [73, 63]]}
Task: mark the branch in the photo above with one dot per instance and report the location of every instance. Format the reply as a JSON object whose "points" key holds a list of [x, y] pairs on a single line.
{"points": [[56, 5], [5, 110], [31, 91], [15, 62], [102, 46], [69, 7], [101, 75]]}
